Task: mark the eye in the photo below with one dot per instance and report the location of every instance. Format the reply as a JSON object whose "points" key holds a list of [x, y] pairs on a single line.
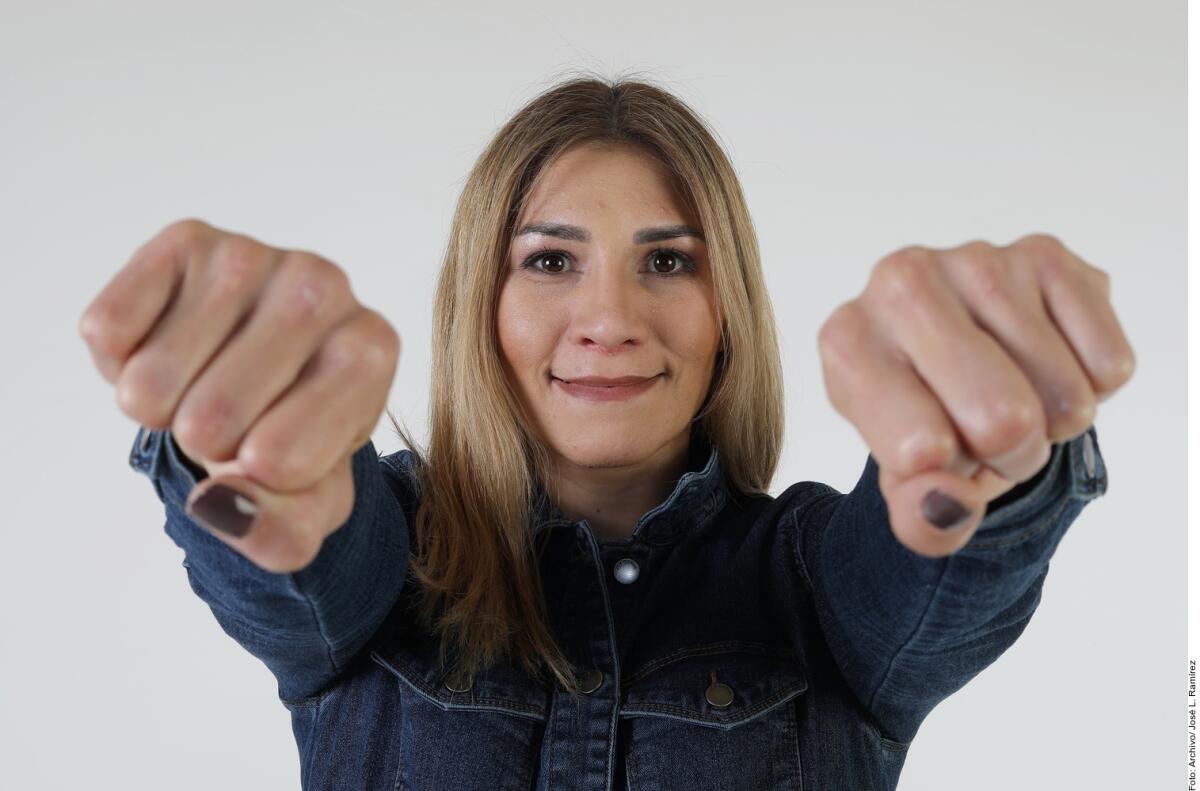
{"points": [[664, 256], [556, 261], [674, 262]]}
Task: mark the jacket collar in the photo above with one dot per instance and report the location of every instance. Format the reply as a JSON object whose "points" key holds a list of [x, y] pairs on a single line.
{"points": [[699, 495]]}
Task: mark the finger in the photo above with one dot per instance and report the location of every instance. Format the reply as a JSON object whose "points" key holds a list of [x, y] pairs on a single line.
{"points": [[913, 434], [991, 485], [126, 309], [911, 521], [991, 402], [106, 364], [913, 440], [278, 533], [305, 297], [1003, 296], [212, 301], [331, 410], [1076, 295]]}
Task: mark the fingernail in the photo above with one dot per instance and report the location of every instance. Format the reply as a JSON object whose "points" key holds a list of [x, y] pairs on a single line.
{"points": [[225, 509], [942, 510]]}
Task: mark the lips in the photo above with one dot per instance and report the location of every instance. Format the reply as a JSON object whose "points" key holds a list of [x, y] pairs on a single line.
{"points": [[601, 388], [601, 381]]}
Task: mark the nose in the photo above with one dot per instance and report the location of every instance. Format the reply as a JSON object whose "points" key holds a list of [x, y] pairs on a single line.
{"points": [[610, 312]]}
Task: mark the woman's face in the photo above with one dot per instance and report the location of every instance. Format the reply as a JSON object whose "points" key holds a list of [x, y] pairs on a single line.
{"points": [[607, 278]]}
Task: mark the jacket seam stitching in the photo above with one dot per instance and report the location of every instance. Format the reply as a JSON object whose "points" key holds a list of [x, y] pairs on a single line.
{"points": [[796, 514], [708, 649], [908, 642], [747, 713], [413, 678], [369, 510], [316, 620]]}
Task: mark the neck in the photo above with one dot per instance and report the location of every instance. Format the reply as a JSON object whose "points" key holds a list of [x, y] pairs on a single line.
{"points": [[613, 499]]}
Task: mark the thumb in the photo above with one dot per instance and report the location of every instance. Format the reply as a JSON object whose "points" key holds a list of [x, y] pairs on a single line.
{"points": [[280, 532], [935, 513]]}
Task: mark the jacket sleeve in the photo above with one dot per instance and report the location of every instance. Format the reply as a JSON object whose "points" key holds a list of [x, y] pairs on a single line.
{"points": [[907, 631], [308, 625]]}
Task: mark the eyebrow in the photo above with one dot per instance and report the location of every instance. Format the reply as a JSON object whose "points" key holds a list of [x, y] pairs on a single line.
{"points": [[575, 233]]}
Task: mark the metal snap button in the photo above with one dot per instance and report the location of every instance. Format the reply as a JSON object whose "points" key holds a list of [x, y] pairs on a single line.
{"points": [[1089, 455], [626, 570], [591, 681], [718, 695], [458, 686]]}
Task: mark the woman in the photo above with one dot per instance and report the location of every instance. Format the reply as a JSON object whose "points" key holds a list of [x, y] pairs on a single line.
{"points": [[583, 582]]}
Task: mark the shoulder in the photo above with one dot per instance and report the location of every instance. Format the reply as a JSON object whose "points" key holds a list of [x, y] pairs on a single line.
{"points": [[795, 498], [402, 472]]}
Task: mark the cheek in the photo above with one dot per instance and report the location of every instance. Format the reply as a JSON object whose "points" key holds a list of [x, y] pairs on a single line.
{"points": [[526, 333], [691, 329]]}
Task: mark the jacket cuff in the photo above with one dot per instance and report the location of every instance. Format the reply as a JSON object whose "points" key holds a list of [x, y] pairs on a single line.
{"points": [[1075, 471]]}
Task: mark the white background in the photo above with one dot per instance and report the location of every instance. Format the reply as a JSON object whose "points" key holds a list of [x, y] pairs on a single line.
{"points": [[347, 129]]}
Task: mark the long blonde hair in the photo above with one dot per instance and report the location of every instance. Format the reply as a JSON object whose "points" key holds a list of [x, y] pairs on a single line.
{"points": [[476, 563]]}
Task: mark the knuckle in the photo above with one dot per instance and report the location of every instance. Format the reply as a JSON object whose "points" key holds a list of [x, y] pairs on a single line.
{"points": [[367, 347], [376, 357], [308, 265], [276, 469], [901, 275], [344, 350], [186, 232], [1041, 245], [204, 423], [145, 389], [1074, 408], [383, 352], [1049, 256], [389, 337], [1071, 398], [236, 266], [313, 285], [842, 333], [985, 270], [99, 326], [1117, 370], [1057, 270], [1005, 426], [923, 450]]}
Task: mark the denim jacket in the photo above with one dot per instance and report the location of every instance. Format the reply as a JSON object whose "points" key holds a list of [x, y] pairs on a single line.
{"points": [[731, 641]]}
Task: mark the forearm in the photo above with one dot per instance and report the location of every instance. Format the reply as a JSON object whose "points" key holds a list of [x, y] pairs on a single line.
{"points": [[908, 630], [307, 625]]}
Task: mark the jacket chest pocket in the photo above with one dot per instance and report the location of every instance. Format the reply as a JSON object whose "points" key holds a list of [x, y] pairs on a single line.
{"points": [[485, 734], [715, 716]]}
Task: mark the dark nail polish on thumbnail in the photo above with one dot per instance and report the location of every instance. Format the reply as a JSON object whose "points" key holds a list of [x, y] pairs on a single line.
{"points": [[225, 509], [942, 510]]}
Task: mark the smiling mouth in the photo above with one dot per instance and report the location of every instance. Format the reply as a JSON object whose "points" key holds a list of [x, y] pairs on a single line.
{"points": [[599, 389]]}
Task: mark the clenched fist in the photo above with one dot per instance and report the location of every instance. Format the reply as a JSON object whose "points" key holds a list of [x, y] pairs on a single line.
{"points": [[960, 367], [266, 369]]}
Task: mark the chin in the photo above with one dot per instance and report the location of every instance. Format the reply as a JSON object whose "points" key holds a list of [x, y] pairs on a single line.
{"points": [[608, 449]]}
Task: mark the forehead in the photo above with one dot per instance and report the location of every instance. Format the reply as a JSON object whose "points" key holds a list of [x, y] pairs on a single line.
{"points": [[591, 176]]}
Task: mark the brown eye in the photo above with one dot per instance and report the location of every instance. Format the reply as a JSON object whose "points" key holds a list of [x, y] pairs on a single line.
{"points": [[667, 257], [663, 260], [554, 262]]}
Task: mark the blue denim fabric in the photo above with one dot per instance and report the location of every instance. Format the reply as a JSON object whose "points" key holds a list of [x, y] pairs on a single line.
{"points": [[764, 643]]}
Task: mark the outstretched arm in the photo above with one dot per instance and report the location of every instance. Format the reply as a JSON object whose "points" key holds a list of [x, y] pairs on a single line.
{"points": [[908, 630], [973, 374], [306, 626]]}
